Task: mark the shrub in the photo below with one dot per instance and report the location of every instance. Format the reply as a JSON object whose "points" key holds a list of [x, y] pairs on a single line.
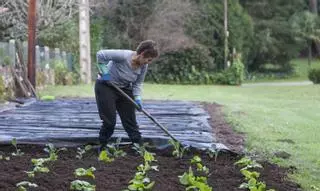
{"points": [[314, 75], [40, 78], [2, 89], [187, 66], [235, 73], [61, 74], [232, 76]]}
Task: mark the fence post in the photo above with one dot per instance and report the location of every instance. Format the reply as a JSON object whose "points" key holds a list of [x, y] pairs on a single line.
{"points": [[64, 58], [46, 57], [12, 52], [70, 62], [25, 52], [38, 59], [57, 54]]}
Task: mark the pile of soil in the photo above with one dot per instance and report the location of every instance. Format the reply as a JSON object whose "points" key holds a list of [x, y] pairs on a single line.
{"points": [[115, 176]]}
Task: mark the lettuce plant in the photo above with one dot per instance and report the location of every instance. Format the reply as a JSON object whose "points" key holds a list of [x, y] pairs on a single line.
{"points": [[247, 163], [81, 185], [178, 151], [53, 152], [18, 151], [83, 172], [5, 158], [195, 183], [114, 149], [82, 151], [38, 167], [252, 183], [141, 182], [103, 156], [22, 185], [140, 149], [213, 153], [200, 167]]}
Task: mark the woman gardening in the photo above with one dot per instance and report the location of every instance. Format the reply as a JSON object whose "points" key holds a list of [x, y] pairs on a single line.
{"points": [[125, 69]]}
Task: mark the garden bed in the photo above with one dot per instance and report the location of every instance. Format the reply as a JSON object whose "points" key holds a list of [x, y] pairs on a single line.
{"points": [[116, 175]]}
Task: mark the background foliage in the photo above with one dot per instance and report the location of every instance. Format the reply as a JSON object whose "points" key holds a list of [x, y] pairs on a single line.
{"points": [[267, 34]]}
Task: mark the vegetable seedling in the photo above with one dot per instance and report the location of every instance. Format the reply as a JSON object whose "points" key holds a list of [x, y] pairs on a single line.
{"points": [[81, 185], [83, 172], [53, 152], [82, 151], [18, 151], [103, 156], [178, 151], [22, 185]]}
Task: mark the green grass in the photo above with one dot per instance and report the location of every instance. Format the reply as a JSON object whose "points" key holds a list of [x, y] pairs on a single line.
{"points": [[300, 66], [265, 114]]}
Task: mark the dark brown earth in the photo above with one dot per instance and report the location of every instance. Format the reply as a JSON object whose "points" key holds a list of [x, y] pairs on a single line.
{"points": [[116, 175]]}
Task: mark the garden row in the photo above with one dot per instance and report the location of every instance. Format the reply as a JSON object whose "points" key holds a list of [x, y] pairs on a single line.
{"points": [[194, 178]]}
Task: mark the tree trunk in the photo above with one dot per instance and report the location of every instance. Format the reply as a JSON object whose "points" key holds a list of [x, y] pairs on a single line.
{"points": [[313, 7], [310, 52], [226, 34]]}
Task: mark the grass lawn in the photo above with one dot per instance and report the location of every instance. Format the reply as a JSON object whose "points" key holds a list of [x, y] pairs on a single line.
{"points": [[265, 114], [301, 68]]}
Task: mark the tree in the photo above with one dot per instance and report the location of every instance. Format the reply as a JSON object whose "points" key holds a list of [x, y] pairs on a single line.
{"points": [[50, 13], [307, 29], [274, 40]]}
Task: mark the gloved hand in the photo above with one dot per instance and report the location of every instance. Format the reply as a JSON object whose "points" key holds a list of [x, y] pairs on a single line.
{"points": [[105, 77], [138, 101], [104, 72]]}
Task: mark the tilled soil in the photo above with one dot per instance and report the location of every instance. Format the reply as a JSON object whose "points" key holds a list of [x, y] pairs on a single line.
{"points": [[114, 176]]}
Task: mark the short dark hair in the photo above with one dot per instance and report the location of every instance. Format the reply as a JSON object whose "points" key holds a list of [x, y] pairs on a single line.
{"points": [[148, 48]]}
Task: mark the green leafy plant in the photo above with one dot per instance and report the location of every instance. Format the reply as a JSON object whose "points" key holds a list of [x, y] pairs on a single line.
{"points": [[141, 182], [254, 185], [195, 183], [82, 151], [82, 186], [53, 152], [103, 156], [140, 149], [114, 149], [314, 75], [178, 150], [18, 151], [251, 176], [213, 153], [39, 164], [38, 167], [5, 158], [247, 163], [22, 185], [85, 172], [200, 167]]}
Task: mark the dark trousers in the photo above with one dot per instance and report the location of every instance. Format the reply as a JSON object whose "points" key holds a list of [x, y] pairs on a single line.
{"points": [[109, 100]]}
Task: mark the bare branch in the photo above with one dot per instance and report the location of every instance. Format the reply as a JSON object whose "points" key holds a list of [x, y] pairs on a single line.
{"points": [[50, 13], [166, 25]]}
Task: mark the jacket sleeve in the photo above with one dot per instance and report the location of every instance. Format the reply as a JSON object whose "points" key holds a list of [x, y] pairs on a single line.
{"points": [[137, 85], [104, 56]]}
